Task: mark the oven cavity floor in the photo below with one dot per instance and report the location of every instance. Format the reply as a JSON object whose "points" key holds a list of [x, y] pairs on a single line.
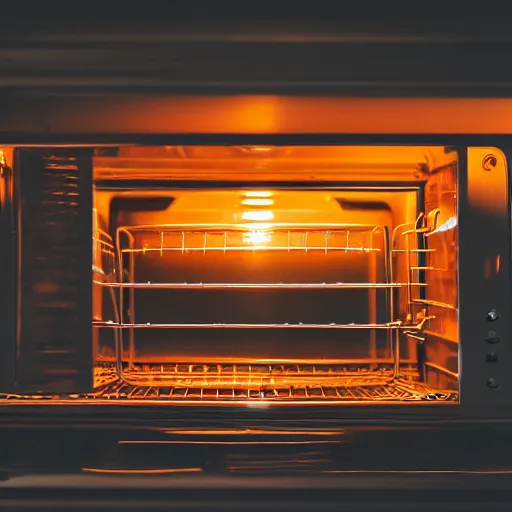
{"points": [[395, 391], [262, 382]]}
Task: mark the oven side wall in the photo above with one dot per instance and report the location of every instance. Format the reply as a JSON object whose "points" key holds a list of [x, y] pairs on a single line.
{"points": [[46, 225]]}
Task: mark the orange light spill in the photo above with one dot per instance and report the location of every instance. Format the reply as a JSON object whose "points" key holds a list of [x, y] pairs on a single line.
{"points": [[487, 185], [142, 471], [230, 442], [261, 114], [260, 149], [255, 226], [66, 402], [254, 432], [257, 237], [6, 156]]}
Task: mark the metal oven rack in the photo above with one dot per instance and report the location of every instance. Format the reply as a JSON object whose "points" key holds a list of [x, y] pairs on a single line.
{"points": [[418, 307], [358, 386], [322, 238], [401, 242], [345, 380]]}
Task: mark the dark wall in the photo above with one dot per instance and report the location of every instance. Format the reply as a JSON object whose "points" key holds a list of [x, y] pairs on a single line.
{"points": [[340, 48]]}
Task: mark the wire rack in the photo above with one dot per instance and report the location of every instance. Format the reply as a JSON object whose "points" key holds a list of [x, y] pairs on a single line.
{"points": [[409, 242], [202, 380], [396, 391], [360, 383], [104, 253], [189, 238], [139, 240], [186, 238], [249, 375], [356, 382]]}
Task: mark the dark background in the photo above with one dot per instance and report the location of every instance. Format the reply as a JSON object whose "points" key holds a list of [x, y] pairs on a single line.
{"points": [[348, 48]]}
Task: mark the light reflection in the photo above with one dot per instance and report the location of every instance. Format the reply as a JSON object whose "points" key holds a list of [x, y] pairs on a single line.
{"points": [[258, 215], [451, 223], [257, 237], [245, 432], [280, 442], [255, 201], [258, 193], [259, 149], [257, 226], [162, 471]]}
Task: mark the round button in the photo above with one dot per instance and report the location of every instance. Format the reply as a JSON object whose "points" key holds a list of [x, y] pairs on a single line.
{"points": [[492, 383], [492, 315], [491, 357]]}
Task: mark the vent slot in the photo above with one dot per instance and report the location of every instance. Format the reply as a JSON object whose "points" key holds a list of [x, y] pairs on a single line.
{"points": [[54, 190]]}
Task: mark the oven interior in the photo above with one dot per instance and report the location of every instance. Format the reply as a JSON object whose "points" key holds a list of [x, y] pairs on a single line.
{"points": [[235, 274]]}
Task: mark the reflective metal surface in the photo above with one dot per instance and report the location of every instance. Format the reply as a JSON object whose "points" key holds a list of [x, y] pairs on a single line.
{"points": [[361, 469]]}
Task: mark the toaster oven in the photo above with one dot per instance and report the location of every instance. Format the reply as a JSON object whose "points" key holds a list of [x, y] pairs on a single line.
{"points": [[234, 274], [252, 310], [254, 274], [244, 274]]}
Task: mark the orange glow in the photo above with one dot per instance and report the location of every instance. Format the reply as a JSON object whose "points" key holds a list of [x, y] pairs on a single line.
{"points": [[62, 401], [257, 237], [252, 333], [243, 245], [258, 215], [142, 471], [256, 226], [260, 149], [231, 442], [134, 114], [292, 163], [487, 186], [244, 432], [258, 193], [6, 156]]}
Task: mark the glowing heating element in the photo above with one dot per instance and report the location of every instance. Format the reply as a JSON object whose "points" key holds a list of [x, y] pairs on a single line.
{"points": [[257, 202], [258, 193]]}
